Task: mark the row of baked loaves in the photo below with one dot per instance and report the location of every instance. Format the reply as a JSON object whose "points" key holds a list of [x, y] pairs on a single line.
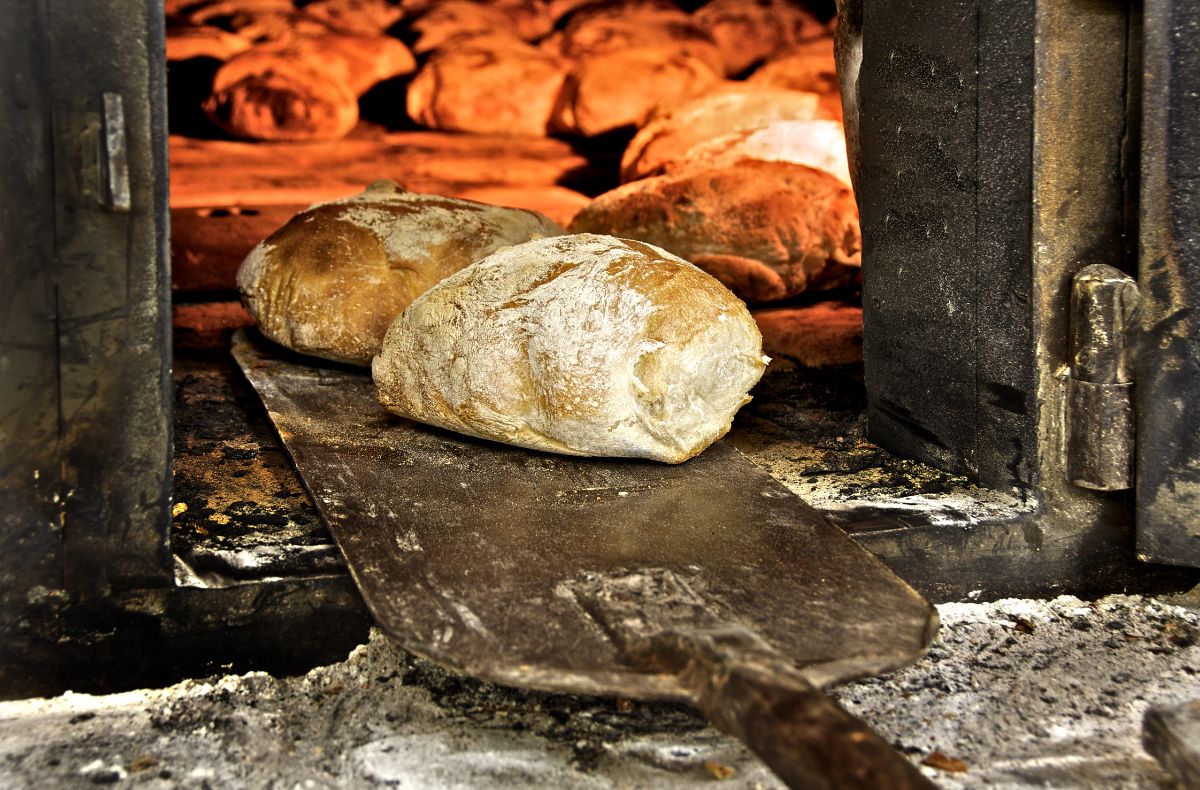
{"points": [[749, 184], [491, 322], [509, 66]]}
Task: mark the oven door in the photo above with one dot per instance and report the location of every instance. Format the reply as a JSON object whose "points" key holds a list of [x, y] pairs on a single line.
{"points": [[1167, 370], [1000, 157], [85, 444]]}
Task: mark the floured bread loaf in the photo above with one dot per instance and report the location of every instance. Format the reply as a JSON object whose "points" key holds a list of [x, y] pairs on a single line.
{"points": [[676, 129], [808, 66], [818, 144], [331, 281], [584, 345], [767, 230]]}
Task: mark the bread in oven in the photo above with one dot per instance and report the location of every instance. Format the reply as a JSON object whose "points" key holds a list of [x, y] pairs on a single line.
{"points": [[303, 89], [749, 30], [820, 144], [583, 345], [331, 281], [675, 129], [487, 87], [767, 230], [615, 90], [667, 30]]}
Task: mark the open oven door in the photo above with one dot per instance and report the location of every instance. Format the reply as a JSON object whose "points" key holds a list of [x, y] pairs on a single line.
{"points": [[1167, 368]]}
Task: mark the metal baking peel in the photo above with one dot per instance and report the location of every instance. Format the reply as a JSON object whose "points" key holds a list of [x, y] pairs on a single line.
{"points": [[706, 582]]}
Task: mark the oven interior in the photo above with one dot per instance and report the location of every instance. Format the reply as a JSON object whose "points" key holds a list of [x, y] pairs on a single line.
{"points": [[997, 149]]}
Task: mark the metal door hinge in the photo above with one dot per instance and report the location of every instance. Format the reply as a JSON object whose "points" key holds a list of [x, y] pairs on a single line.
{"points": [[1100, 389], [104, 156]]}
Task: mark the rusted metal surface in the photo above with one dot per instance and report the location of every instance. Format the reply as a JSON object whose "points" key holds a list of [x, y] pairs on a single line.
{"points": [[1100, 390], [30, 475], [111, 286], [1080, 216], [85, 486], [1168, 356], [490, 558]]}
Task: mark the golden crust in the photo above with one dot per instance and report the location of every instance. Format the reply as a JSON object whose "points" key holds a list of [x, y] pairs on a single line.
{"points": [[599, 96], [496, 88], [766, 230], [731, 107], [259, 96], [331, 281]]}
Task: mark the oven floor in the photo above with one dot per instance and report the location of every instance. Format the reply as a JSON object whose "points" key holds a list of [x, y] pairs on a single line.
{"points": [[242, 513], [1016, 693]]}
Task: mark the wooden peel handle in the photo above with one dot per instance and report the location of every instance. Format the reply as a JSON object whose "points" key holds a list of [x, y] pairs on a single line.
{"points": [[800, 733], [806, 738]]}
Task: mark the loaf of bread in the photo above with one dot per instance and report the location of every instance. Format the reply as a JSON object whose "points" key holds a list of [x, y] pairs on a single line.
{"points": [[734, 106], [807, 66], [616, 90], [817, 144], [584, 345], [749, 30], [304, 88], [501, 88], [330, 281], [767, 230], [261, 96], [666, 31]]}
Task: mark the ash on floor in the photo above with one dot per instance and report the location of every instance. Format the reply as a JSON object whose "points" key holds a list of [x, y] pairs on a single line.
{"points": [[1016, 693]]}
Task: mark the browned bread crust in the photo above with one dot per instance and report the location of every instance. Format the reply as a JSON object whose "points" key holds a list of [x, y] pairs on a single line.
{"points": [[767, 230], [331, 281]]}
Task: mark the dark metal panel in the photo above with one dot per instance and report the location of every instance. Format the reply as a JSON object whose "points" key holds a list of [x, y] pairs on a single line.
{"points": [[112, 292], [1004, 451], [946, 105], [917, 108], [1168, 359], [30, 490]]}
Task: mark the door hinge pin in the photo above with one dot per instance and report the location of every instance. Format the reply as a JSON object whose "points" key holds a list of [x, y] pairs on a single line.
{"points": [[1100, 389]]}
